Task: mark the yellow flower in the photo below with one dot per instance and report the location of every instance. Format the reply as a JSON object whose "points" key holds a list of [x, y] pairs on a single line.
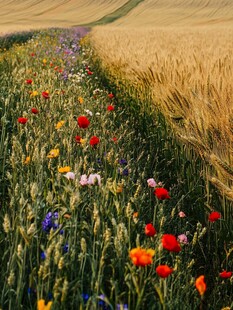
{"points": [[34, 93], [27, 160], [60, 124], [80, 100], [44, 61], [83, 141], [64, 169], [42, 306], [53, 153]]}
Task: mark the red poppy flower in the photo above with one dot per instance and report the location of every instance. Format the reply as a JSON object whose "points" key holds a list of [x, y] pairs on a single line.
{"points": [[150, 230], [83, 122], [161, 193], [225, 274], [170, 243], [29, 81], [110, 96], [33, 54], [94, 141], [34, 111], [110, 108], [141, 257], [89, 72], [45, 94], [78, 139], [214, 216], [114, 139], [163, 271], [22, 120]]}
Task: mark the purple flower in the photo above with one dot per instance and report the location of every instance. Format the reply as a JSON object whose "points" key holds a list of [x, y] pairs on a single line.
{"points": [[123, 161], [50, 222], [125, 172]]}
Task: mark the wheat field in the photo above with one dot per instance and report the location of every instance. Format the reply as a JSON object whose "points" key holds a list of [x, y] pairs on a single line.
{"points": [[188, 68], [26, 15], [179, 13]]}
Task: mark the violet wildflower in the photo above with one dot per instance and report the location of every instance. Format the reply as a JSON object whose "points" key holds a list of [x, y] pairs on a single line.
{"points": [[50, 222], [123, 162]]}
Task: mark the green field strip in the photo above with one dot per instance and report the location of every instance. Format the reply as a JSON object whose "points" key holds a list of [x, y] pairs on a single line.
{"points": [[120, 12]]}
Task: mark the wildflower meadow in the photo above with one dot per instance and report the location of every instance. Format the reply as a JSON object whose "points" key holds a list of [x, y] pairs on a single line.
{"points": [[101, 207]]}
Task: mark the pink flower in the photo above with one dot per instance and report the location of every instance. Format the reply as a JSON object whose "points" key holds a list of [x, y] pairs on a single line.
{"points": [[182, 239], [182, 214], [70, 175], [94, 179], [151, 182], [83, 181]]}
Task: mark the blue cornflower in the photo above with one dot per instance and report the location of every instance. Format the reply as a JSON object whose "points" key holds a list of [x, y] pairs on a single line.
{"points": [[85, 297], [65, 248], [43, 255]]}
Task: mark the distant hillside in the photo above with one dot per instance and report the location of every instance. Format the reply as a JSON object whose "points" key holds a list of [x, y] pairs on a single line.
{"points": [[20, 15]]}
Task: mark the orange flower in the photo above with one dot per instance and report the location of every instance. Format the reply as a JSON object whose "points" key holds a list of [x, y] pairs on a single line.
{"points": [[64, 169], [27, 160], [59, 124], [42, 306], [200, 285], [141, 257]]}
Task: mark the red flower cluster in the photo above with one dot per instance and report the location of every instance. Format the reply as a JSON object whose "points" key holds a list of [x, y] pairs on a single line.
{"points": [[94, 141], [170, 243], [150, 230], [22, 120], [163, 271], [83, 122], [214, 216], [28, 81], [161, 193]]}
